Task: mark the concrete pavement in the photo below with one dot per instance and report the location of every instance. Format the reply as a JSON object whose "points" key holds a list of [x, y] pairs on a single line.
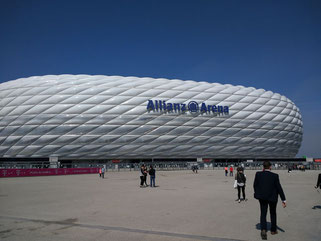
{"points": [[184, 206]]}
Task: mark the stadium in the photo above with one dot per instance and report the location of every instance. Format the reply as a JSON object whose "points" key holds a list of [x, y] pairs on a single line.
{"points": [[99, 117]]}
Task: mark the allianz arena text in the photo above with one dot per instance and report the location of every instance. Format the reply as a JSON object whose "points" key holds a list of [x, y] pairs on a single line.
{"points": [[99, 117]]}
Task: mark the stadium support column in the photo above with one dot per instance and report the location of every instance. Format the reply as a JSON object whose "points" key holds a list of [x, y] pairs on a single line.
{"points": [[53, 160]]}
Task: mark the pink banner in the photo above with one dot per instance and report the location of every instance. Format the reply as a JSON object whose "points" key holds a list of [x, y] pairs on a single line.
{"points": [[45, 172]]}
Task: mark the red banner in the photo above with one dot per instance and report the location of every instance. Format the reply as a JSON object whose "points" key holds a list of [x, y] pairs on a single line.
{"points": [[45, 172], [317, 160]]}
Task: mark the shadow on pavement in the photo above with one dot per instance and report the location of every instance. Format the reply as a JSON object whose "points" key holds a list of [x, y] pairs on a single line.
{"points": [[258, 227], [316, 207]]}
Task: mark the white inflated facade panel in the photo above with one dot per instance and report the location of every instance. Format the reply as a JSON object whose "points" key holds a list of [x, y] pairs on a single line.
{"points": [[83, 116]]}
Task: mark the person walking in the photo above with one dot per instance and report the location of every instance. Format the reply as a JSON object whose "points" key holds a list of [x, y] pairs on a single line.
{"points": [[145, 175], [240, 181], [103, 172], [142, 170], [99, 172], [226, 171], [231, 171], [152, 175], [267, 188]]}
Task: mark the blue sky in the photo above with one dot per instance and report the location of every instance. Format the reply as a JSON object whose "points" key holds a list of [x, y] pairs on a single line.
{"points": [[274, 45]]}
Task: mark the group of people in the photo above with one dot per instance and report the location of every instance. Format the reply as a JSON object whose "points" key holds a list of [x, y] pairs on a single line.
{"points": [[143, 175], [231, 171], [102, 172], [195, 168]]}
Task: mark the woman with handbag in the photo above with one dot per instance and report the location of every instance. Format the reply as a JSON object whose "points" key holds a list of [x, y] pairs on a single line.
{"points": [[240, 180]]}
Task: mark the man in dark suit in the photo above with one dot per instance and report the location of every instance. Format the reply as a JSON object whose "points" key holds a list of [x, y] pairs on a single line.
{"points": [[267, 187]]}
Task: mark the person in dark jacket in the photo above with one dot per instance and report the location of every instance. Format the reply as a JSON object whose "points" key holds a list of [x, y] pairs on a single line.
{"points": [[152, 175], [240, 180], [267, 188], [318, 182]]}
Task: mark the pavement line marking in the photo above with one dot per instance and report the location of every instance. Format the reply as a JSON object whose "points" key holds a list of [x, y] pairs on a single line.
{"points": [[121, 229]]}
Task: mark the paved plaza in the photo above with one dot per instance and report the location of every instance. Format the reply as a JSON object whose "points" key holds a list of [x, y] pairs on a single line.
{"points": [[184, 206]]}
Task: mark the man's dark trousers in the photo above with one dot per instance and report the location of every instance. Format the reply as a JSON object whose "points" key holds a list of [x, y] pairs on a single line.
{"points": [[264, 207]]}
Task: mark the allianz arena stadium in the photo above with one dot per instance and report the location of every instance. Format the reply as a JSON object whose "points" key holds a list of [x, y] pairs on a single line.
{"points": [[100, 117]]}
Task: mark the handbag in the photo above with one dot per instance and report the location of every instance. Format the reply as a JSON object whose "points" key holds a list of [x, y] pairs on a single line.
{"points": [[235, 184]]}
